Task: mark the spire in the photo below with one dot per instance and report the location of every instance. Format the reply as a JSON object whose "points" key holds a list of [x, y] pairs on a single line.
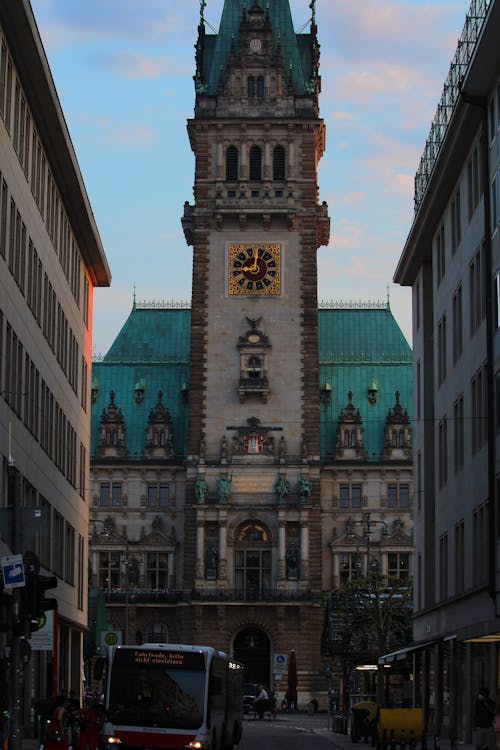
{"points": [[295, 48]]}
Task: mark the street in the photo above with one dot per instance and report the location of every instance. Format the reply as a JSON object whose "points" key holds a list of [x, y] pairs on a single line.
{"points": [[289, 733]]}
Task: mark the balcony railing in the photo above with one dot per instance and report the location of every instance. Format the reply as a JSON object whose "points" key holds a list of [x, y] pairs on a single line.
{"points": [[143, 596], [239, 595]]}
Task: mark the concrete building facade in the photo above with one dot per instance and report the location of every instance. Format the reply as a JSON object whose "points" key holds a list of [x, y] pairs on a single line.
{"points": [[51, 258], [451, 260]]}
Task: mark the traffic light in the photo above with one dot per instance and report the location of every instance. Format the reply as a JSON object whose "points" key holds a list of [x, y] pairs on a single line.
{"points": [[34, 604]]}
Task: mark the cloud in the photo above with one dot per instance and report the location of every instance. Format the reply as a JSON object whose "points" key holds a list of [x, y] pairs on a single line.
{"points": [[131, 135], [135, 65], [353, 198]]}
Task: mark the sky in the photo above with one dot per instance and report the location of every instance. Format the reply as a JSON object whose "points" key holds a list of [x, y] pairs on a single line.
{"points": [[123, 71]]}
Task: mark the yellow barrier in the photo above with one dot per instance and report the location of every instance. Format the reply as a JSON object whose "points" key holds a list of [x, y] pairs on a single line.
{"points": [[398, 719]]}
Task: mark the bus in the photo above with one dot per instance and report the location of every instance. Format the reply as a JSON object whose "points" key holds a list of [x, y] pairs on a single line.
{"points": [[171, 696]]}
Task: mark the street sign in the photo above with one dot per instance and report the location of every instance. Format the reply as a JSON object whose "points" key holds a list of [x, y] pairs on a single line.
{"points": [[13, 571], [43, 639], [280, 662], [110, 638]]}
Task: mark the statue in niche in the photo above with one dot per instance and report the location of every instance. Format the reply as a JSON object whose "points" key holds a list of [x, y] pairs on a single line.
{"points": [[224, 489], [212, 558], [201, 490], [282, 488], [304, 487], [292, 563]]}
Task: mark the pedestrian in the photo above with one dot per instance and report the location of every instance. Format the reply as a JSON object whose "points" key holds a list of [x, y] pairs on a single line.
{"points": [[91, 725], [261, 702], [484, 712], [56, 737]]}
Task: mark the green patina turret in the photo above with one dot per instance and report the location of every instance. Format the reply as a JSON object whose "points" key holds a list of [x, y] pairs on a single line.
{"points": [[298, 53]]}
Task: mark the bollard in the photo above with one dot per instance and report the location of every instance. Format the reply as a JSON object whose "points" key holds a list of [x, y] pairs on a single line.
{"points": [[437, 743], [383, 744], [393, 740], [412, 739], [403, 740]]}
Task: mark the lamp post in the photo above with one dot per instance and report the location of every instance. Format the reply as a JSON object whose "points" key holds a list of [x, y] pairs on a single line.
{"points": [[367, 523]]}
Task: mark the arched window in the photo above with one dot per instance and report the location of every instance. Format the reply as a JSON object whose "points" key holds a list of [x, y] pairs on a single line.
{"points": [[255, 163], [260, 87], [279, 163], [251, 87], [252, 560], [232, 164]]}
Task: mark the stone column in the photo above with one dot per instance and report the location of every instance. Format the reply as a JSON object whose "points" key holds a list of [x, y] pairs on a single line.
{"points": [[304, 548], [200, 551], [282, 550], [223, 549], [170, 564], [291, 158]]}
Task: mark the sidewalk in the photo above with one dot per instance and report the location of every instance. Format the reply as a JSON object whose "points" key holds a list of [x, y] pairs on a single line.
{"points": [[321, 723]]}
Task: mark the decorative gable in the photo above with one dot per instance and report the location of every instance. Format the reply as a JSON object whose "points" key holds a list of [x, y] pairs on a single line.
{"points": [[350, 433], [397, 443], [111, 443], [253, 346], [159, 438]]}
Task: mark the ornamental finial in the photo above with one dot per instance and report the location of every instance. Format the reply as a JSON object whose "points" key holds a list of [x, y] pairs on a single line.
{"points": [[312, 6], [202, 8]]}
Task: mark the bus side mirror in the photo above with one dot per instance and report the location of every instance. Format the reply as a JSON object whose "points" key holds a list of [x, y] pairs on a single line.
{"points": [[99, 668]]}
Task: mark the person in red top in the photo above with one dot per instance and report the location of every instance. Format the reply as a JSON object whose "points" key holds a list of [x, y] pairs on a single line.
{"points": [[56, 737], [90, 727]]}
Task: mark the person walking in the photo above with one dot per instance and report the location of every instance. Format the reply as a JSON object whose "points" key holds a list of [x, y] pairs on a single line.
{"points": [[91, 725], [484, 713], [261, 701], [56, 737]]}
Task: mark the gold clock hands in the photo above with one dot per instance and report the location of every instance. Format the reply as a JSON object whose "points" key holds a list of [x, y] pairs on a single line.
{"points": [[253, 268]]}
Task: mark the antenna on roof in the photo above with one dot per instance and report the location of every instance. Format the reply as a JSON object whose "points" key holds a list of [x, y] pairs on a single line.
{"points": [[388, 298], [133, 306]]}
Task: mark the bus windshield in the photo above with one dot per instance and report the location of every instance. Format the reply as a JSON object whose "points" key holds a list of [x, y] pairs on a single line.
{"points": [[157, 688]]}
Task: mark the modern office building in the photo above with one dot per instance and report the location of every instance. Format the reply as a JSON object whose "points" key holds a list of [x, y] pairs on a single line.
{"points": [[51, 258], [452, 261]]}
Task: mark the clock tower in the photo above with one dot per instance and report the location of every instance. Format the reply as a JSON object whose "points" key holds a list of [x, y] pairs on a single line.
{"points": [[252, 539]]}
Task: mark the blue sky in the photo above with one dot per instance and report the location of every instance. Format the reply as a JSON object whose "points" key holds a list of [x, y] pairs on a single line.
{"points": [[123, 71]]}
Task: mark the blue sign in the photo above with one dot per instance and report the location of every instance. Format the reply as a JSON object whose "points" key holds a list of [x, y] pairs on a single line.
{"points": [[13, 571]]}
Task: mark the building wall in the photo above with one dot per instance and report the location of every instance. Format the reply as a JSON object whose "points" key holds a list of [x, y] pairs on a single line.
{"points": [[46, 282]]}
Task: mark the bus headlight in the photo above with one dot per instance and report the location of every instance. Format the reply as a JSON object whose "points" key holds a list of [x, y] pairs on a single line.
{"points": [[112, 740], [197, 745]]}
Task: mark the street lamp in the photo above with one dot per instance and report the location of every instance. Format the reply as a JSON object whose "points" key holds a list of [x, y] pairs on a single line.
{"points": [[367, 523]]}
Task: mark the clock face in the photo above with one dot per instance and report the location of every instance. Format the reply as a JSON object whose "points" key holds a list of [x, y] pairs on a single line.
{"points": [[255, 45], [254, 268]]}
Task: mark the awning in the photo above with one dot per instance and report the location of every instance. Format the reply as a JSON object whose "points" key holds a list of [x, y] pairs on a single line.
{"points": [[403, 653]]}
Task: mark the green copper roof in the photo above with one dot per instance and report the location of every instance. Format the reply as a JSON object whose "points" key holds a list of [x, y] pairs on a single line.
{"points": [[152, 351], [359, 349], [295, 54]]}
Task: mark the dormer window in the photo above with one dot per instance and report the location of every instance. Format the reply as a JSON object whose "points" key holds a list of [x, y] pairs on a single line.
{"points": [[232, 164], [255, 163]]}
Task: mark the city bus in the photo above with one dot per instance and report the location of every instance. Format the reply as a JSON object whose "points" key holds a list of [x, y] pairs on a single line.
{"points": [[171, 696]]}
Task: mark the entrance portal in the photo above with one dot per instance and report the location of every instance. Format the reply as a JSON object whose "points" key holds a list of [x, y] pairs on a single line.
{"points": [[252, 648]]}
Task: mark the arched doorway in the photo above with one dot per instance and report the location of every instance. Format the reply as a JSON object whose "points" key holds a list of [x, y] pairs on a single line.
{"points": [[252, 648]]}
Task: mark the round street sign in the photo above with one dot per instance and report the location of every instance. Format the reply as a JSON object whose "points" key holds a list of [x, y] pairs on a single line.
{"points": [[111, 639]]}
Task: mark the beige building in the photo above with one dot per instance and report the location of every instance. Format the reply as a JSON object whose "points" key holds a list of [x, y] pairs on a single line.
{"points": [[51, 258]]}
